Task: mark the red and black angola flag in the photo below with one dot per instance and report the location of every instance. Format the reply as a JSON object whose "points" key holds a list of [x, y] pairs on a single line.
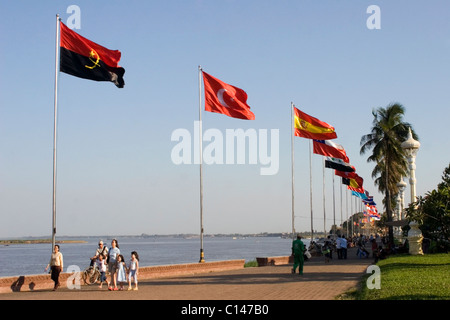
{"points": [[83, 58]]}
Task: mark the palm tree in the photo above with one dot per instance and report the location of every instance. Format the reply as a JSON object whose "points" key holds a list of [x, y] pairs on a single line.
{"points": [[388, 132]]}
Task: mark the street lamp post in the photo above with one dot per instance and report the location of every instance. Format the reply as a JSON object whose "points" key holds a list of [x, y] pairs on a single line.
{"points": [[411, 147], [401, 187]]}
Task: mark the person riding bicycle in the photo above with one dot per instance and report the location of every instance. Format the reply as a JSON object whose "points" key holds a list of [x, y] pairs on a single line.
{"points": [[362, 252], [101, 250]]}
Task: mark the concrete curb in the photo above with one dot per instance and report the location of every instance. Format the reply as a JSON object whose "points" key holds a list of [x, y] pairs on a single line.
{"points": [[274, 261]]}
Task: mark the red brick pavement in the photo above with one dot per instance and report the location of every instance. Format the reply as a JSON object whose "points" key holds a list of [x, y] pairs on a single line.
{"points": [[321, 281]]}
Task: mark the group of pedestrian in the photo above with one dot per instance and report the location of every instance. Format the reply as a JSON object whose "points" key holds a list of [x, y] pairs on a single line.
{"points": [[120, 272], [298, 251], [105, 260]]}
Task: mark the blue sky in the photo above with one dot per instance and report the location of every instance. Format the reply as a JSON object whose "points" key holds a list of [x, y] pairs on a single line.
{"points": [[115, 173]]}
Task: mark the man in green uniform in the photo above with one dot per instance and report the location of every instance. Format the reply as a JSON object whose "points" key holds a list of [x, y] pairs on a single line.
{"points": [[298, 248]]}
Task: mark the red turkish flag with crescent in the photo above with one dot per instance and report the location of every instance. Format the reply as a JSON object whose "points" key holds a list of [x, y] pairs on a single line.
{"points": [[221, 97]]}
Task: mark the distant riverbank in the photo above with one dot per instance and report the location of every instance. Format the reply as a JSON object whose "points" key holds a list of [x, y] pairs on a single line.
{"points": [[34, 241]]}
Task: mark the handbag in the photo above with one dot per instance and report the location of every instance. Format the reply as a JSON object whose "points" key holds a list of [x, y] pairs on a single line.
{"points": [[307, 254]]}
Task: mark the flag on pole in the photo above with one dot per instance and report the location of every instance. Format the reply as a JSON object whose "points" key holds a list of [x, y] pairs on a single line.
{"points": [[221, 97], [356, 181], [338, 164], [312, 128], [351, 179], [358, 190], [329, 149], [369, 201], [372, 209], [357, 194], [356, 185], [80, 57], [344, 174], [373, 212]]}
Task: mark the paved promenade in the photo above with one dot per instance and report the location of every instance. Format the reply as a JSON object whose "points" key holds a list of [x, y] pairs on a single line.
{"points": [[321, 281]]}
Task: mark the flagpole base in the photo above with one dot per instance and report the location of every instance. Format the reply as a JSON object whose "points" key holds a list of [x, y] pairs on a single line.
{"points": [[202, 256]]}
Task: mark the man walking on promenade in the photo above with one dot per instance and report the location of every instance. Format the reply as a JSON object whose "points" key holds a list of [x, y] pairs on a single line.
{"points": [[344, 247], [339, 247], [298, 248]]}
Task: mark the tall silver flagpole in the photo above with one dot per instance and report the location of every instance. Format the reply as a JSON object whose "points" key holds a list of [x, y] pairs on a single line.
{"points": [[324, 203], [351, 213], [346, 208], [292, 162], [340, 187], [202, 255], [334, 207], [54, 132], [355, 209], [310, 189]]}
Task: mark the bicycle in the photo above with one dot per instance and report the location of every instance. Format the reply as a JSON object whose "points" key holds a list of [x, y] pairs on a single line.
{"points": [[91, 275], [362, 252]]}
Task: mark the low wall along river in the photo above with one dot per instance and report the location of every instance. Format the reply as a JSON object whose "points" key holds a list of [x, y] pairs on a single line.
{"points": [[40, 282]]}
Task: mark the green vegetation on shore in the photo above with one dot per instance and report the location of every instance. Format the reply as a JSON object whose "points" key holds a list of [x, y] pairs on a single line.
{"points": [[34, 241], [251, 264], [407, 277]]}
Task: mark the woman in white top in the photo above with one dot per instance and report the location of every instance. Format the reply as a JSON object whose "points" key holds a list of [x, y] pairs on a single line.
{"points": [[112, 264], [56, 266]]}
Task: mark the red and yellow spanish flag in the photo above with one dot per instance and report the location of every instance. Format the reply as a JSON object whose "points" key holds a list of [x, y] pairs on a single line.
{"points": [[85, 59], [311, 128]]}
